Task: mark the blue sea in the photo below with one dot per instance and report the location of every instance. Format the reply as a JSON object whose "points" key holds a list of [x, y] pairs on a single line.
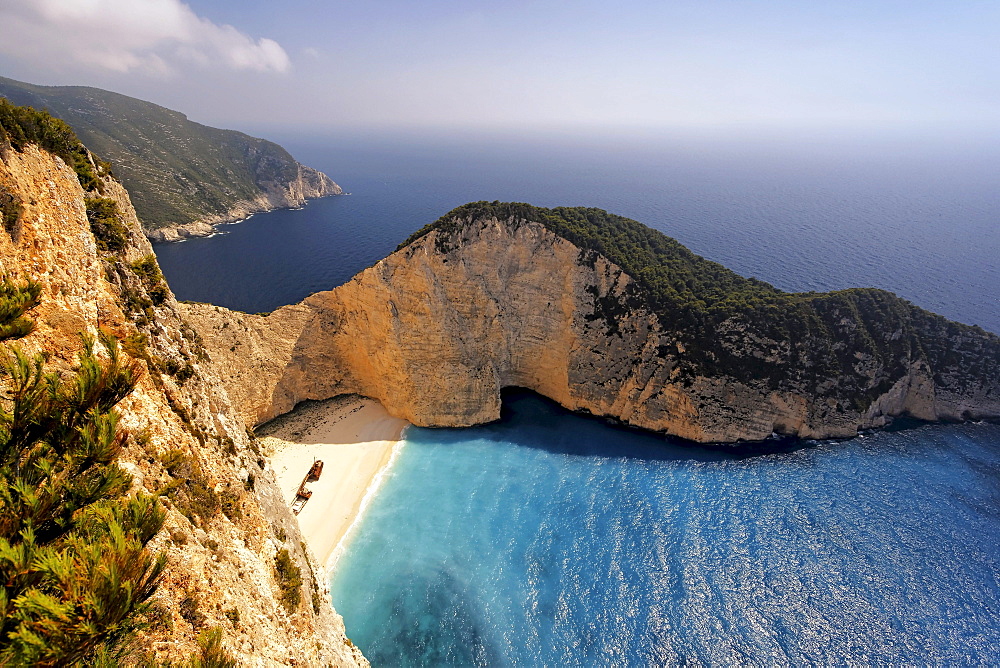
{"points": [[551, 539]]}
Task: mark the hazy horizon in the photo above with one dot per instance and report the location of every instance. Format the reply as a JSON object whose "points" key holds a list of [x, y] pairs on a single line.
{"points": [[642, 68]]}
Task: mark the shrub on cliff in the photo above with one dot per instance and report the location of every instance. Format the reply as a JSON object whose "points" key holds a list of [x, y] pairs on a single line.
{"points": [[10, 209], [21, 126], [149, 273], [75, 574], [289, 577], [109, 231], [15, 301]]}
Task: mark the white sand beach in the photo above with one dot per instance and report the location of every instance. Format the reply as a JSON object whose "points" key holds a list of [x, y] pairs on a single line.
{"points": [[355, 438]]}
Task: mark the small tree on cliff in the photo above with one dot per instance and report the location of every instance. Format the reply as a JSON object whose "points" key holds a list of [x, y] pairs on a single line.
{"points": [[74, 569]]}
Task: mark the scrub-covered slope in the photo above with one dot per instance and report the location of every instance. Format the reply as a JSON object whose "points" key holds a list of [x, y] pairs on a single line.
{"points": [[182, 176], [236, 569]]}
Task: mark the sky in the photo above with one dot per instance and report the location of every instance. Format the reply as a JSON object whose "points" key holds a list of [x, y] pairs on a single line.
{"points": [[525, 65]]}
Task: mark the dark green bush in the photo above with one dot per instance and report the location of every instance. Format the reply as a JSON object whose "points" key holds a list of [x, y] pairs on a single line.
{"points": [[15, 301], [189, 609], [213, 654], [23, 125], [289, 577], [10, 210], [149, 273], [189, 490], [182, 372], [147, 269], [75, 575], [106, 224], [176, 462], [136, 345]]}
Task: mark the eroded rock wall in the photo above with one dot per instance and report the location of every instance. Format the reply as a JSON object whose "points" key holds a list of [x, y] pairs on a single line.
{"points": [[221, 561], [437, 329]]}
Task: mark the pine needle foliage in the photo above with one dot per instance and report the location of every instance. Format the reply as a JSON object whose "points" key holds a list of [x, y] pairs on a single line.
{"points": [[15, 300], [74, 570], [213, 653]]}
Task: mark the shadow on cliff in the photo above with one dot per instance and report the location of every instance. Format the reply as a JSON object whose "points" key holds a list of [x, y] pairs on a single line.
{"points": [[531, 420]]}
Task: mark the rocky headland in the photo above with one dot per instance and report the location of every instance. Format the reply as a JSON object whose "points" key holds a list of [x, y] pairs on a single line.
{"points": [[275, 193], [184, 178], [606, 317]]}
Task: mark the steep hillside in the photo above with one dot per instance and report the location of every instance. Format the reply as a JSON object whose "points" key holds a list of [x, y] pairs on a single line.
{"points": [[226, 527], [182, 176], [606, 316]]}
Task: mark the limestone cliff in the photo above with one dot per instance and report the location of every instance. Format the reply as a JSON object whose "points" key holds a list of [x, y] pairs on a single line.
{"points": [[226, 518], [488, 298]]}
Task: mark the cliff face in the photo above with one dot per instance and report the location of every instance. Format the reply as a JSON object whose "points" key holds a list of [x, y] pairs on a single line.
{"points": [[183, 177], [226, 518], [437, 329]]}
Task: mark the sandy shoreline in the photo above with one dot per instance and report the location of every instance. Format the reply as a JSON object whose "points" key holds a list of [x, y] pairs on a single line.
{"points": [[355, 438]]}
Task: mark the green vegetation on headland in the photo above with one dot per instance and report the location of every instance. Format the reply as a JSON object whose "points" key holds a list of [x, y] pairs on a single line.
{"points": [[852, 342], [176, 171]]}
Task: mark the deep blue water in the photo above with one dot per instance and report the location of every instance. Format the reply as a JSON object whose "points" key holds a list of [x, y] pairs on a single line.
{"points": [[553, 539], [920, 219]]}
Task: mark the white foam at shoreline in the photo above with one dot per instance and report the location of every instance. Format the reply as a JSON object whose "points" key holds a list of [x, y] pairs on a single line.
{"points": [[341, 547]]}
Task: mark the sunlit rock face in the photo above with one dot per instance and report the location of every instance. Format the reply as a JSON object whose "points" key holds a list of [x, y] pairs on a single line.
{"points": [[438, 328], [218, 563]]}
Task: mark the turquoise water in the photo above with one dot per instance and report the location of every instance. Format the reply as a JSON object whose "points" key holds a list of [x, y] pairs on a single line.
{"points": [[557, 540], [552, 539]]}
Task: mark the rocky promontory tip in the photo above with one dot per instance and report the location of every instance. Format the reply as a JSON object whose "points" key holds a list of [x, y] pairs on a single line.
{"points": [[609, 317]]}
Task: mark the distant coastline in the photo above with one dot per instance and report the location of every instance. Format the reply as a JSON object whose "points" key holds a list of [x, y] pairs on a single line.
{"points": [[237, 214]]}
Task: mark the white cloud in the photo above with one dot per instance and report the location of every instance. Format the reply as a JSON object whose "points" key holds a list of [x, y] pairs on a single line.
{"points": [[152, 36]]}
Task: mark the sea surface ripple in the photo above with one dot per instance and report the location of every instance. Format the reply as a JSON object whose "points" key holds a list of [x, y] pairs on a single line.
{"points": [[550, 539]]}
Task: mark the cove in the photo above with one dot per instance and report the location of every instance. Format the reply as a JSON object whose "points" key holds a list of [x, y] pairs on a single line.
{"points": [[554, 539]]}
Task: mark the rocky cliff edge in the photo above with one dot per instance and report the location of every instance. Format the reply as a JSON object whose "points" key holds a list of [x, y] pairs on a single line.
{"points": [[308, 184], [226, 520], [485, 301]]}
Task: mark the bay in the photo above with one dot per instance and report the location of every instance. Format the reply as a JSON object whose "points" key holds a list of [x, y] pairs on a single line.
{"points": [[554, 539], [549, 539]]}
